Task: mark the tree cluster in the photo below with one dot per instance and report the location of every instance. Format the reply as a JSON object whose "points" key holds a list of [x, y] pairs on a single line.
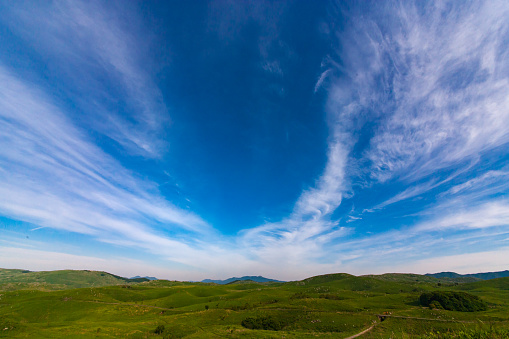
{"points": [[453, 301], [262, 323]]}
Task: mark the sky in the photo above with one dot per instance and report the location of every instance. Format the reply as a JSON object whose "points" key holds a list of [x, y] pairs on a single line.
{"points": [[209, 139]]}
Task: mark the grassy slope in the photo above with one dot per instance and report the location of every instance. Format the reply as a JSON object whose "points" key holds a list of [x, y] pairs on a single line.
{"points": [[57, 280], [334, 305]]}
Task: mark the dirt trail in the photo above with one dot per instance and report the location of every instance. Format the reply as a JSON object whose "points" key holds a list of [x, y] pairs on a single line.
{"points": [[361, 333]]}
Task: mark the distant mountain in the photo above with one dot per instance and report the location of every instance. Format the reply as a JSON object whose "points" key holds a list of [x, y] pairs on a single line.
{"points": [[480, 276], [259, 279], [451, 275], [149, 278]]}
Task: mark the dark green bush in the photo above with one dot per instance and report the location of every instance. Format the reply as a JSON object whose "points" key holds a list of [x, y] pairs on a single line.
{"points": [[159, 329], [262, 323], [453, 301], [435, 305]]}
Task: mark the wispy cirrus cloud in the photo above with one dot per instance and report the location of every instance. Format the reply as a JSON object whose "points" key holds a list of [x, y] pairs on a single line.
{"points": [[492, 181], [104, 63], [53, 176], [409, 249], [433, 77], [416, 94], [446, 79], [301, 238], [489, 214], [440, 100]]}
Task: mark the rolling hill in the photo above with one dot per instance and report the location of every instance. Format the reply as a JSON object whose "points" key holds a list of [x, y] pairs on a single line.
{"points": [[12, 279], [46, 304]]}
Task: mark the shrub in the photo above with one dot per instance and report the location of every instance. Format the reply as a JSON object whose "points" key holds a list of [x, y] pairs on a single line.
{"points": [[159, 329], [262, 323], [453, 301]]}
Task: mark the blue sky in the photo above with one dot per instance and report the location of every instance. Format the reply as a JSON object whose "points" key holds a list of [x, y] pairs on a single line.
{"points": [[192, 140]]}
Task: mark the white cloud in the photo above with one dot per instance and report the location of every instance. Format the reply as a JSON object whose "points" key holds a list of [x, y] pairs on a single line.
{"points": [[53, 176], [446, 75], [405, 72], [490, 178], [437, 84], [436, 79], [321, 79], [106, 63], [489, 214], [300, 239], [417, 189]]}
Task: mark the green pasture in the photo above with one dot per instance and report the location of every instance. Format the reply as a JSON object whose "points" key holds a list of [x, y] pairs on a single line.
{"points": [[330, 306]]}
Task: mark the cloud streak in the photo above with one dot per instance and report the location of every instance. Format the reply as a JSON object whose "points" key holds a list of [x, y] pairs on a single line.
{"points": [[301, 238], [416, 97], [490, 214], [53, 176], [447, 80], [437, 81], [90, 45]]}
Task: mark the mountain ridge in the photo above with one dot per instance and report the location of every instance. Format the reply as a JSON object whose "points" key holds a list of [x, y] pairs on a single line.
{"points": [[145, 277], [257, 278], [480, 276]]}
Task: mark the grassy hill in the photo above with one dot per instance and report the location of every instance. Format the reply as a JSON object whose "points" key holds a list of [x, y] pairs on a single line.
{"points": [[56, 280], [332, 306]]}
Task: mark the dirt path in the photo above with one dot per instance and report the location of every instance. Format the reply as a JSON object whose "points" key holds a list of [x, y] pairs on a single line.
{"points": [[361, 333]]}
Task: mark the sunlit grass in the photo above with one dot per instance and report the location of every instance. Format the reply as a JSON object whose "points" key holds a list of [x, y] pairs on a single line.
{"points": [[333, 306]]}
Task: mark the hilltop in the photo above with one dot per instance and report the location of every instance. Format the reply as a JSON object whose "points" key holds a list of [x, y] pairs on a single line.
{"points": [[15, 279]]}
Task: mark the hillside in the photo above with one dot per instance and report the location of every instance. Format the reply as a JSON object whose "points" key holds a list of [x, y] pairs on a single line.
{"points": [[332, 305], [494, 284], [404, 277], [11, 279]]}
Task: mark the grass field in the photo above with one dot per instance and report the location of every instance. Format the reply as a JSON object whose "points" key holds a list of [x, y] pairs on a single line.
{"points": [[331, 306]]}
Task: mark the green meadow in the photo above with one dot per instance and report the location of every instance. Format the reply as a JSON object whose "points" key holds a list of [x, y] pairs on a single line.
{"points": [[87, 304]]}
